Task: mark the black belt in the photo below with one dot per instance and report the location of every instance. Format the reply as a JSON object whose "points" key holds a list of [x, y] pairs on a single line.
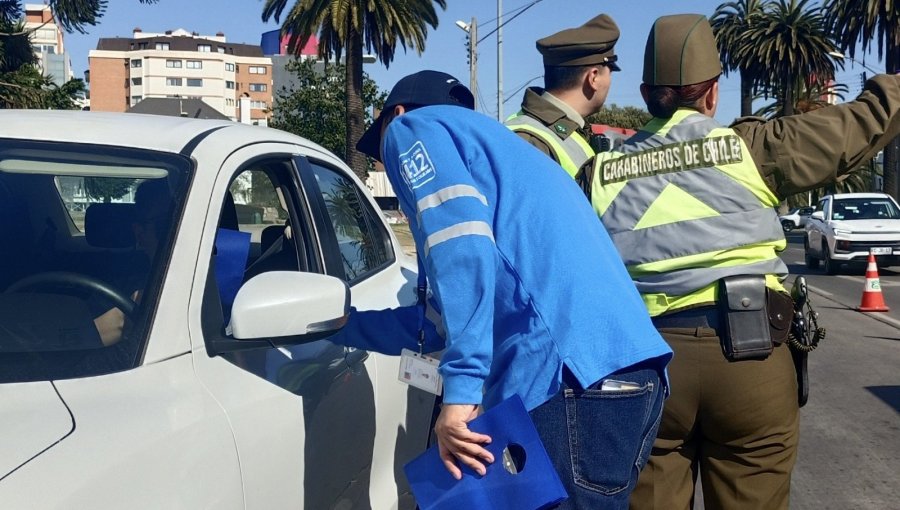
{"points": [[704, 317]]}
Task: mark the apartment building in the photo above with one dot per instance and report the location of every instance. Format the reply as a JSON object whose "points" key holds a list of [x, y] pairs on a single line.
{"points": [[235, 79], [47, 40]]}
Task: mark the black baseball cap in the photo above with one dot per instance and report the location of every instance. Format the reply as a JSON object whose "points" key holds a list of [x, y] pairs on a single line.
{"points": [[425, 88]]}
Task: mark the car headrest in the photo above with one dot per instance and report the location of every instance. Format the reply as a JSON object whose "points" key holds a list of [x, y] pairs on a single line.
{"points": [[110, 225]]}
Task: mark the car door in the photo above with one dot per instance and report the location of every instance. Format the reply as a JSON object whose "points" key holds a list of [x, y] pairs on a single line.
{"points": [[313, 425], [817, 227], [357, 243]]}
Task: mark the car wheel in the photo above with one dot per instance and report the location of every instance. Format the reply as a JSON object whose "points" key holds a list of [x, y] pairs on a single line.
{"points": [[830, 265], [787, 225], [811, 262]]}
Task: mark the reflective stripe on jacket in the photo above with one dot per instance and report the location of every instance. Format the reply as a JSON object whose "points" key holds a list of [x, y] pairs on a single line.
{"points": [[570, 153], [686, 206]]}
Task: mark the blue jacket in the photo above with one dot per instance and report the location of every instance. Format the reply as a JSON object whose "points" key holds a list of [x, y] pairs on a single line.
{"points": [[524, 273]]}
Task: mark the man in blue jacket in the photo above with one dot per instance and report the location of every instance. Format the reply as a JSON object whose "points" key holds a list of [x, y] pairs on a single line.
{"points": [[534, 298]]}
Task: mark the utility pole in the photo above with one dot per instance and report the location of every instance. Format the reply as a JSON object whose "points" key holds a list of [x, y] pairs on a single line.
{"points": [[500, 60], [473, 57]]}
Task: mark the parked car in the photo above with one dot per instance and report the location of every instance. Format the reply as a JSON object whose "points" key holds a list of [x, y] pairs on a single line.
{"points": [[846, 227], [218, 389], [795, 218]]}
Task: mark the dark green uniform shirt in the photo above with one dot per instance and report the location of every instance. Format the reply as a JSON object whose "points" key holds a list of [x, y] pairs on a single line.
{"points": [[549, 115], [802, 152]]}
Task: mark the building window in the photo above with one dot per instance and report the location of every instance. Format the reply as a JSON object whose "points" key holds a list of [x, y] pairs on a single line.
{"points": [[50, 49], [174, 64], [135, 100], [194, 64], [136, 62], [229, 101], [258, 105], [258, 87], [194, 82], [137, 81], [204, 48], [163, 46], [229, 66], [229, 84], [173, 82], [45, 33], [257, 70], [142, 46], [221, 49]]}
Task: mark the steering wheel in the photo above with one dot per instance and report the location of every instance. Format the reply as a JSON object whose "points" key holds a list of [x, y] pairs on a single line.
{"points": [[89, 283]]}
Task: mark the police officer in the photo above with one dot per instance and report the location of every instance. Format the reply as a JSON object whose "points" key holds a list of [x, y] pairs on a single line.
{"points": [[690, 207], [578, 66]]}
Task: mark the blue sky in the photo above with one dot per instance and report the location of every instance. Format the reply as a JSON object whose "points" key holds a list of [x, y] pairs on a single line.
{"points": [[445, 46]]}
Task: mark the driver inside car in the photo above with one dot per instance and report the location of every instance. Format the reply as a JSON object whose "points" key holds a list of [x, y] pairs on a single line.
{"points": [[152, 204]]}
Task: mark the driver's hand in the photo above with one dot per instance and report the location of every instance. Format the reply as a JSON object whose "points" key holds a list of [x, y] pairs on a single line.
{"points": [[110, 326]]}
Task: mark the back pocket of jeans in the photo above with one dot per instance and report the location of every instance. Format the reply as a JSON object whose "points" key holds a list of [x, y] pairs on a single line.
{"points": [[606, 430]]}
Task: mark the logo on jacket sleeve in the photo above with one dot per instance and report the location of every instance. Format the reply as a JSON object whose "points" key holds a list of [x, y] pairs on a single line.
{"points": [[417, 166]]}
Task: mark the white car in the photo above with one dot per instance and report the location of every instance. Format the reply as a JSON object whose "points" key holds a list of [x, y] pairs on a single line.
{"points": [[124, 384], [846, 227], [795, 218]]}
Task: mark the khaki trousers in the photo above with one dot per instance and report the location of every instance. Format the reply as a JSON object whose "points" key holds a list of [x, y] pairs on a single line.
{"points": [[736, 425]]}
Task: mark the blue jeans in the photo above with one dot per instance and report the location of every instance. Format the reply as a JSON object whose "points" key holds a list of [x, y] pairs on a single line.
{"points": [[599, 440]]}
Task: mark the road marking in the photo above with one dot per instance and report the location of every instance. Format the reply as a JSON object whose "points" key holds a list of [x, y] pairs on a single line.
{"points": [[884, 283], [819, 291]]}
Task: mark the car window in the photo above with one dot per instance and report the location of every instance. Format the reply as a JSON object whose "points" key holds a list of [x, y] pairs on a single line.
{"points": [[365, 246], [87, 235], [865, 209], [806, 211]]}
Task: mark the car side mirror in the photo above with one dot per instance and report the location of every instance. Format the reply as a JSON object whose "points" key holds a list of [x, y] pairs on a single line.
{"points": [[818, 215], [279, 308]]}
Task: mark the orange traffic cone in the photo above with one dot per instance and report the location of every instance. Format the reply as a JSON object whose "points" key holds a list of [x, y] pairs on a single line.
{"points": [[872, 299]]}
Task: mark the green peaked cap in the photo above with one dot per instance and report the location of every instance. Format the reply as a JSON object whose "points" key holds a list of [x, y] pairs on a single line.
{"points": [[681, 50]]}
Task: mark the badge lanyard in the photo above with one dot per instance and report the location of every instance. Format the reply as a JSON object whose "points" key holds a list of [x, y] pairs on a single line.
{"points": [[417, 369]]}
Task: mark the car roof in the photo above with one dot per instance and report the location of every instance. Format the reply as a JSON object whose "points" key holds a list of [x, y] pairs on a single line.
{"points": [[152, 132], [859, 195]]}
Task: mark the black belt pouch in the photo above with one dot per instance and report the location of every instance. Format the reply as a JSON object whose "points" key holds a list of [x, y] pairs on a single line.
{"points": [[745, 333]]}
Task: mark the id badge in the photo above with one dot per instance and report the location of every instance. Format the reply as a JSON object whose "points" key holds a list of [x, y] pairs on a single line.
{"points": [[420, 371]]}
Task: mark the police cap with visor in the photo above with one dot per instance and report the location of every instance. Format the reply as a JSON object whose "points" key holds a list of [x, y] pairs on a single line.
{"points": [[425, 88], [590, 44]]}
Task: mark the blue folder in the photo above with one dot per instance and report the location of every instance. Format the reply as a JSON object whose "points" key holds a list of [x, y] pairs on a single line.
{"points": [[536, 485]]}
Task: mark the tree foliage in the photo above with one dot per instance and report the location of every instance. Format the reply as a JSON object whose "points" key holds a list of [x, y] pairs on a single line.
{"points": [[628, 117], [345, 27], [107, 189], [316, 107], [790, 41], [21, 82], [730, 22]]}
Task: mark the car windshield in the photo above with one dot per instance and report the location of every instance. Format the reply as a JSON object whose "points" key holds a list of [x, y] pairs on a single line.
{"points": [[86, 232], [864, 209]]}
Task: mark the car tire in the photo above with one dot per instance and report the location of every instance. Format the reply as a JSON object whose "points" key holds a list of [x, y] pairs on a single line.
{"points": [[829, 264], [787, 225], [811, 262]]}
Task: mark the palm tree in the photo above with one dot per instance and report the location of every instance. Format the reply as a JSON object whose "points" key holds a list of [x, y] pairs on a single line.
{"points": [[790, 41], [865, 22], [730, 22], [344, 26]]}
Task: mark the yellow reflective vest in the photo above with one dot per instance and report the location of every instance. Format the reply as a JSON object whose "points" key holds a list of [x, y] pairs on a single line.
{"points": [[686, 206], [571, 153]]}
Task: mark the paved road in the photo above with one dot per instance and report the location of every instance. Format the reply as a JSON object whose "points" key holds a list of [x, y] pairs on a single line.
{"points": [[850, 430]]}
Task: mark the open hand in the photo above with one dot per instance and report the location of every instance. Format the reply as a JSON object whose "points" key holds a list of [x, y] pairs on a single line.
{"points": [[457, 443]]}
